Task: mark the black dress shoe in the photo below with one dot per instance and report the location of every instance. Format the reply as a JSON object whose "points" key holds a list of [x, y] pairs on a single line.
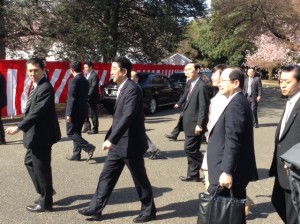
{"points": [[2, 142], [91, 152], [171, 137], [144, 218], [154, 154], [92, 132], [39, 208], [38, 200], [88, 212], [190, 179], [85, 130], [72, 158]]}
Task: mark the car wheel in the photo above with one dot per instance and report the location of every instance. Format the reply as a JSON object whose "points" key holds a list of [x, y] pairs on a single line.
{"points": [[152, 106]]}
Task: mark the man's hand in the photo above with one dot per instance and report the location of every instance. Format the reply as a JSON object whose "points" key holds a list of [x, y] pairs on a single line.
{"points": [[107, 145], [176, 106], [258, 98], [12, 130], [69, 120], [198, 130], [225, 180]]}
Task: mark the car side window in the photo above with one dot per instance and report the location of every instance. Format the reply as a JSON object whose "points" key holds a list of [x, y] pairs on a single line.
{"points": [[166, 82], [156, 79]]}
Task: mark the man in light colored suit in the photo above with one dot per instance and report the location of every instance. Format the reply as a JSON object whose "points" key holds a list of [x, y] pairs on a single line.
{"points": [[195, 118], [126, 143], [286, 136], [41, 131]]}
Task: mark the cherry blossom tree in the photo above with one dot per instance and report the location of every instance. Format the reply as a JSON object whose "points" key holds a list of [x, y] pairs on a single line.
{"points": [[272, 52]]}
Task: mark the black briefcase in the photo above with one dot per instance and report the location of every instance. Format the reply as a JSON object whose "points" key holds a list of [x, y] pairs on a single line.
{"points": [[216, 209]]}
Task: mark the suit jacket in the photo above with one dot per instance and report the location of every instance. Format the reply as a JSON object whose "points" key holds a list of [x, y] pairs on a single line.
{"points": [[290, 136], [3, 96], [195, 110], [93, 95], [77, 107], [184, 94], [231, 146], [127, 133], [40, 123], [256, 87]]}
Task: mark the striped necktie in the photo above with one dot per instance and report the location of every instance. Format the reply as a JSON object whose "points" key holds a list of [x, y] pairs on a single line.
{"points": [[30, 97]]}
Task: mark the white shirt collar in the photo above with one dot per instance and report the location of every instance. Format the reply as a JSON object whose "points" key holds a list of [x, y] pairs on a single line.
{"points": [[295, 98], [122, 84]]}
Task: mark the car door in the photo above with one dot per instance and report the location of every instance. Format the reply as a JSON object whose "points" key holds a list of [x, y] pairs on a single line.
{"points": [[171, 91], [158, 91]]}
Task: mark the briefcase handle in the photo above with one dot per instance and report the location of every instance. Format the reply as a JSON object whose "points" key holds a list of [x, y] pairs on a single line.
{"points": [[230, 190]]}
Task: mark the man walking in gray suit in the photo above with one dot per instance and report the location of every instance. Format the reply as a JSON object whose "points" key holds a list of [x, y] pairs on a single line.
{"points": [[253, 91]]}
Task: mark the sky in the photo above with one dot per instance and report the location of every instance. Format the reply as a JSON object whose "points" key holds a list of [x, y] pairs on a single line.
{"points": [[208, 2]]}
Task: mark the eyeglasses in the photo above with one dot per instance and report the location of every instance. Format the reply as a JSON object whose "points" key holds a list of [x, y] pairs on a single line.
{"points": [[225, 80]]}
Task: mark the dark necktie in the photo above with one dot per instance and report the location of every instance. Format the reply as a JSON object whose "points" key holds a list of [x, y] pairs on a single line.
{"points": [[30, 97]]}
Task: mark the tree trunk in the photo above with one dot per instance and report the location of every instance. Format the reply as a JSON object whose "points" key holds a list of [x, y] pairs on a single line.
{"points": [[270, 73], [2, 31], [112, 21]]}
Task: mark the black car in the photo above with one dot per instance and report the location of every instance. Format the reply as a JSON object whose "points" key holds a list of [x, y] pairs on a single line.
{"points": [[180, 78], [158, 91]]}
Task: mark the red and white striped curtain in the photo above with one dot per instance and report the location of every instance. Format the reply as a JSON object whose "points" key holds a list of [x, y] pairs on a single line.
{"points": [[18, 83]]}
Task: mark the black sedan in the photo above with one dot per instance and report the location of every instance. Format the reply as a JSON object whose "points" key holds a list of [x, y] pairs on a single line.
{"points": [[158, 91]]}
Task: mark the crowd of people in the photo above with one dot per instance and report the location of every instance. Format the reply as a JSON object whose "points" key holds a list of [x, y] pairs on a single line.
{"points": [[225, 110]]}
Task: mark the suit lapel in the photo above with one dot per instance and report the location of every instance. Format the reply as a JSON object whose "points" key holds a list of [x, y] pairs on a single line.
{"points": [[191, 95], [121, 94], [292, 116]]}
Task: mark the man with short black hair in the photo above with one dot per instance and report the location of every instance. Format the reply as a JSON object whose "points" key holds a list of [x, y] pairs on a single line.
{"points": [[76, 112], [41, 131], [286, 136], [93, 98], [126, 143]]}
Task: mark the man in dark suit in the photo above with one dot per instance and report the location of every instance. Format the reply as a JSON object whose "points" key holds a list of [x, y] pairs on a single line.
{"points": [[194, 120], [76, 112], [126, 141], [286, 136], [253, 91], [41, 131], [93, 98], [230, 152], [3, 103]]}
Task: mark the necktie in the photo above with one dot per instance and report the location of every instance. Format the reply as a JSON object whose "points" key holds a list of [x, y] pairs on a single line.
{"points": [[119, 91], [190, 91], [30, 97], [286, 115]]}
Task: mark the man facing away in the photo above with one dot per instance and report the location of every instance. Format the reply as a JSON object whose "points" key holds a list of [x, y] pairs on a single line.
{"points": [[195, 117], [230, 151], [41, 131], [286, 136], [253, 91], [153, 150], [76, 112], [93, 98], [126, 143]]}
